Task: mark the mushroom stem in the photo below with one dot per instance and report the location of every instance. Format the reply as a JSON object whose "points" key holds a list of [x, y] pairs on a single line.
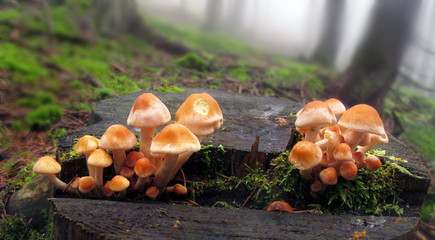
{"points": [[141, 184], [164, 172], [311, 134], [146, 138], [99, 181], [352, 138], [61, 184], [91, 169], [182, 159], [119, 158]]}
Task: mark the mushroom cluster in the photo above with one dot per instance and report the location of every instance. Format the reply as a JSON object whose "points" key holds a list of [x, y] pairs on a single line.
{"points": [[332, 148], [149, 170]]}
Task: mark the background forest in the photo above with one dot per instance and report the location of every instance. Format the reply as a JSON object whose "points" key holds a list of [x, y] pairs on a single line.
{"points": [[59, 57]]}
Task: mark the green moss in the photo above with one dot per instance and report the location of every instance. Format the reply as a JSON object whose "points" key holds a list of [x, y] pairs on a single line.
{"points": [[169, 88], [44, 116], [192, 61], [14, 228], [240, 73], [23, 176], [209, 162], [62, 22]]}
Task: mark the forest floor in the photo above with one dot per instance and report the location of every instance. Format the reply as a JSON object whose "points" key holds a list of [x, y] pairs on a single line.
{"points": [[49, 82]]}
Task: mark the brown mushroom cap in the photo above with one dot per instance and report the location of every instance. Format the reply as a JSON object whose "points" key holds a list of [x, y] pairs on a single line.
{"points": [[336, 106], [86, 144], [144, 168], [315, 113], [305, 155], [280, 206], [100, 158], [148, 111], [372, 163], [132, 157], [87, 184], [362, 118], [175, 139], [200, 113], [328, 176], [348, 170], [47, 165], [119, 183], [118, 137], [342, 152]]}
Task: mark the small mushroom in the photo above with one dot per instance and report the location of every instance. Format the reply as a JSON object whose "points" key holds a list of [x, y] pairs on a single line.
{"points": [[342, 152], [119, 184], [172, 140], [178, 189], [312, 117], [99, 159], [86, 184], [328, 176], [305, 155], [280, 206], [144, 168], [348, 170], [86, 145], [118, 139], [152, 192], [372, 163], [49, 167], [147, 113], [132, 157], [359, 120]]}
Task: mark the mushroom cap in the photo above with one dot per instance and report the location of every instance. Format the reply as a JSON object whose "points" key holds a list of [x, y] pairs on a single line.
{"points": [[86, 144], [342, 152], [144, 168], [118, 137], [119, 183], [200, 113], [280, 206], [180, 189], [47, 165], [336, 106], [148, 111], [305, 155], [328, 176], [348, 170], [362, 118], [372, 163], [87, 184], [75, 183], [126, 172], [315, 113], [132, 157], [152, 192], [100, 158], [175, 139]]}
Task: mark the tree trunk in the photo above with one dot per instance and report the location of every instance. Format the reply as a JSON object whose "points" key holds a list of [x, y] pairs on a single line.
{"points": [[331, 33], [376, 63], [213, 12]]}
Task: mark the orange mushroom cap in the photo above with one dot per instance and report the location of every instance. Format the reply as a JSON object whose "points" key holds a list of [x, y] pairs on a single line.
{"points": [[100, 158], [348, 170], [175, 139], [280, 206], [86, 144], [305, 155], [336, 106], [132, 157], [315, 113], [118, 137], [47, 165], [373, 163], [87, 184], [328, 176], [342, 152], [144, 168], [148, 111], [362, 118], [200, 113], [119, 183]]}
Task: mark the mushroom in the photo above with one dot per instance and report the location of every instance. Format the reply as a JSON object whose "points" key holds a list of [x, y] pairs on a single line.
{"points": [[342, 152], [147, 113], [336, 106], [359, 120], [86, 145], [144, 168], [372, 163], [374, 139], [86, 184], [49, 167], [328, 176], [178, 189], [107, 191], [280, 206], [118, 139], [152, 192], [201, 114], [316, 186], [99, 159], [132, 157], [313, 116], [172, 140], [334, 139], [348, 170], [305, 155], [119, 184]]}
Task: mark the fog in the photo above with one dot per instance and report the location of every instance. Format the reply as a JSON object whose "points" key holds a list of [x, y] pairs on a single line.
{"points": [[294, 28]]}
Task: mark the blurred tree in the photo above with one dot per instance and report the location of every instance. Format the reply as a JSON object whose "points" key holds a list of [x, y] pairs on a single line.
{"points": [[236, 14], [331, 33], [213, 12], [376, 63]]}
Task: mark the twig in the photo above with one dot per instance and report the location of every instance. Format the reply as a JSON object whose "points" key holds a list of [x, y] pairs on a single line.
{"points": [[221, 175], [249, 197]]}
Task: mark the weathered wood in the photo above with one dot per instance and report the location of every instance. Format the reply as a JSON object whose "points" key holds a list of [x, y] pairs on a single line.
{"points": [[98, 219]]}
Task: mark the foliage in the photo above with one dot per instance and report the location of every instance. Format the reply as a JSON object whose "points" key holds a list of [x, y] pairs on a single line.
{"points": [[428, 214], [169, 88], [23, 176], [240, 73], [209, 161], [192, 61], [15, 228], [55, 134], [44, 116]]}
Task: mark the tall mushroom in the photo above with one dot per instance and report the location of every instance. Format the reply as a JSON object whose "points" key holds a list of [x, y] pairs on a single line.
{"points": [[86, 145], [147, 113], [314, 115], [201, 114], [118, 139], [99, 159], [359, 120], [49, 167], [172, 140]]}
